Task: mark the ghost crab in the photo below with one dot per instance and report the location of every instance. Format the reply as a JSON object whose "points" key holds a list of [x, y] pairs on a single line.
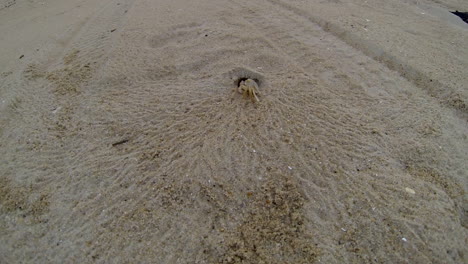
{"points": [[247, 82], [249, 88]]}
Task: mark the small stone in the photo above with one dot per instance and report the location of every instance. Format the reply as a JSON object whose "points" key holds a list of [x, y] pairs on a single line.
{"points": [[410, 191]]}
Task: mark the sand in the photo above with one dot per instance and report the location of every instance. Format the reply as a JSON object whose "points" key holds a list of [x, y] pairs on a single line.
{"points": [[123, 138]]}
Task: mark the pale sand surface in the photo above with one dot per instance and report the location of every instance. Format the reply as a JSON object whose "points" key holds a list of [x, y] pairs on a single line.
{"points": [[123, 138]]}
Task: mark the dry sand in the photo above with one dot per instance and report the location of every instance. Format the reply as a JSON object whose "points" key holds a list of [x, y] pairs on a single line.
{"points": [[123, 138]]}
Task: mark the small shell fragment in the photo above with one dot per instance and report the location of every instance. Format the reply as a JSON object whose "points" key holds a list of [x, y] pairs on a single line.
{"points": [[410, 191]]}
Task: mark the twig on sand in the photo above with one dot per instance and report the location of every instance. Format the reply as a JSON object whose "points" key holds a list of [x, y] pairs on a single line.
{"points": [[120, 142]]}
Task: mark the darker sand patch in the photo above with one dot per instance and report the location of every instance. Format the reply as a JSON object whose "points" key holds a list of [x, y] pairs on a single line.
{"points": [[69, 78], [273, 231], [66, 79], [34, 71], [16, 199]]}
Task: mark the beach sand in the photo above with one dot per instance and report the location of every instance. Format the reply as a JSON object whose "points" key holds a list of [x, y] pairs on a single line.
{"points": [[123, 138]]}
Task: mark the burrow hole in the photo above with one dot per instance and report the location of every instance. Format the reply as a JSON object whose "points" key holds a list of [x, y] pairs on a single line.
{"points": [[246, 78]]}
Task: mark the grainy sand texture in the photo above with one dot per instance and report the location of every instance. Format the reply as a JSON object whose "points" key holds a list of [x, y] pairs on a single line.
{"points": [[124, 137]]}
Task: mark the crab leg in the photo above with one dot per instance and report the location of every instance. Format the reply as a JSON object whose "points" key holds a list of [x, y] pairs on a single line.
{"points": [[254, 96], [246, 93]]}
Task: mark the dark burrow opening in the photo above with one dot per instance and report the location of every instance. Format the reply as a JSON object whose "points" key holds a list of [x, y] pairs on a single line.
{"points": [[245, 78], [462, 15]]}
